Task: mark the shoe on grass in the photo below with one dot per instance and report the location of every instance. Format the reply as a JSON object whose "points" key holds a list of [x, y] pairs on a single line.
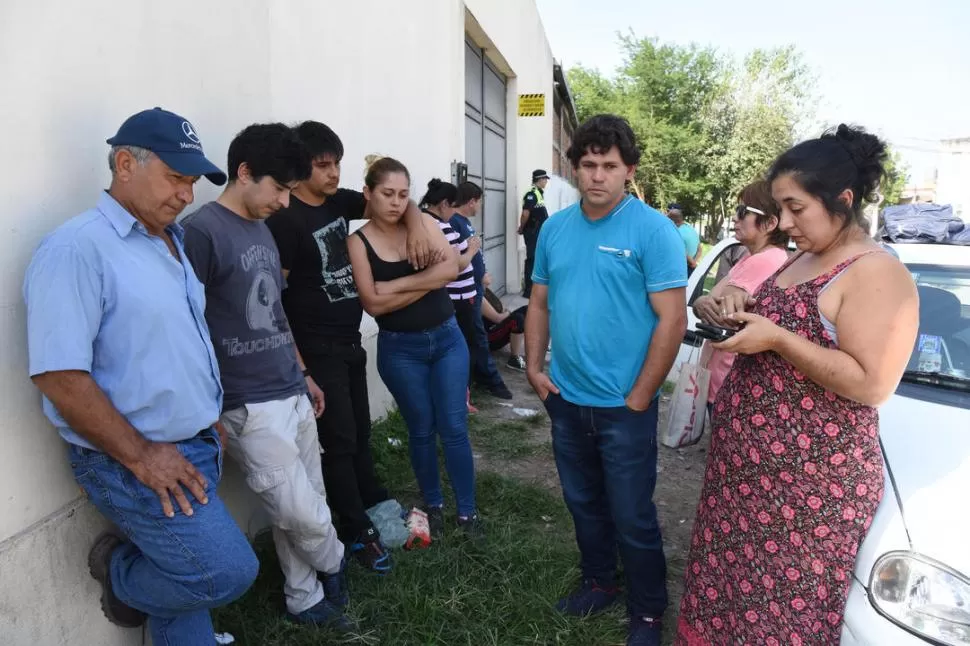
{"points": [[372, 555], [643, 631], [325, 614], [500, 391], [472, 527], [99, 561], [591, 598], [335, 585]]}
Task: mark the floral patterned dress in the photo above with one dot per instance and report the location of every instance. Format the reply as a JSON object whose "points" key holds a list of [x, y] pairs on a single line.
{"points": [[793, 479]]}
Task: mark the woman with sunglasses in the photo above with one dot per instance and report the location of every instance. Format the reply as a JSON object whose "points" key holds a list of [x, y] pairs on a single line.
{"points": [[756, 228]]}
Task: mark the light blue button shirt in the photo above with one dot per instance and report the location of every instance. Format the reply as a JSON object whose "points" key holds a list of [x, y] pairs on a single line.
{"points": [[105, 297]]}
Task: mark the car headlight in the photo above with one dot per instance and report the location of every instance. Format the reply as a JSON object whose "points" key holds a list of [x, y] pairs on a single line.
{"points": [[923, 596]]}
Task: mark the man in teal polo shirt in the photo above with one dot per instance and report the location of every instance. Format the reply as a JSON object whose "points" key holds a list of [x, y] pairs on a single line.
{"points": [[609, 285], [692, 241]]}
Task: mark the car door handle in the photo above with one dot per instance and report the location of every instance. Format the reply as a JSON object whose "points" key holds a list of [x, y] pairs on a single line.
{"points": [[691, 338]]}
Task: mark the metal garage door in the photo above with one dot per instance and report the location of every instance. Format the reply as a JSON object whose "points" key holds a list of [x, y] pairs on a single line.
{"points": [[485, 107]]}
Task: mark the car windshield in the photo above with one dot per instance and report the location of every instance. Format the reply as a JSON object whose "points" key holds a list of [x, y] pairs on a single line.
{"points": [[941, 355]]}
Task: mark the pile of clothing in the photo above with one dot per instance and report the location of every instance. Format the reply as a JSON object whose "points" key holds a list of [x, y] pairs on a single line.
{"points": [[923, 223]]}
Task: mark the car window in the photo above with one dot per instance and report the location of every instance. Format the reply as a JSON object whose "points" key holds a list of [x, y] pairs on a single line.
{"points": [[717, 270], [943, 344]]}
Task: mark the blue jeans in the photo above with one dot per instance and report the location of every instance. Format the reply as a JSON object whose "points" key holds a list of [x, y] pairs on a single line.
{"points": [[174, 569], [483, 366], [426, 373], [607, 462]]}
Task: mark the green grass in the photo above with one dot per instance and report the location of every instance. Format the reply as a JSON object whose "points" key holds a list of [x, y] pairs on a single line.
{"points": [[500, 592]]}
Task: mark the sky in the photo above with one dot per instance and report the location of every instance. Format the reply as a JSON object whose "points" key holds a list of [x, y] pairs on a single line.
{"points": [[899, 68]]}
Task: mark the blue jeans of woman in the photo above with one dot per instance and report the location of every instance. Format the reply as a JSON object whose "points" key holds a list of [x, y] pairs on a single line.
{"points": [[426, 372]]}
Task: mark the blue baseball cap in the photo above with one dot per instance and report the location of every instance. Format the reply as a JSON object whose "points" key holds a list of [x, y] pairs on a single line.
{"points": [[172, 138]]}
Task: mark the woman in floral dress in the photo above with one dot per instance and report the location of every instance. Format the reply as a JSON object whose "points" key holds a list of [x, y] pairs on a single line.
{"points": [[795, 473]]}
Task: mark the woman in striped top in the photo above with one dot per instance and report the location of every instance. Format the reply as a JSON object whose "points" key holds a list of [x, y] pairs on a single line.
{"points": [[439, 202]]}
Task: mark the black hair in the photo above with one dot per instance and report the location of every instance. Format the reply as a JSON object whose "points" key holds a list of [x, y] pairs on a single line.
{"points": [[847, 157], [600, 133], [438, 191], [467, 191], [271, 149], [378, 171], [320, 140], [758, 195]]}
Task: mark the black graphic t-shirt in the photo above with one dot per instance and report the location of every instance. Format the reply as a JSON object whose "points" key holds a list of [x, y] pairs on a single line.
{"points": [[320, 298], [237, 261]]}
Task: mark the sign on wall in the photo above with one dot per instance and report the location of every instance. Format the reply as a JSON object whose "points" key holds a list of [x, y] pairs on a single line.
{"points": [[532, 105]]}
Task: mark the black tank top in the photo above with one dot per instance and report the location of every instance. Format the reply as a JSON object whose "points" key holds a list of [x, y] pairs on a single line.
{"points": [[429, 311]]}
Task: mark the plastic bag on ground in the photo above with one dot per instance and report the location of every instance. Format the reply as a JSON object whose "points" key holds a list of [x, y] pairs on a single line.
{"points": [[388, 519]]}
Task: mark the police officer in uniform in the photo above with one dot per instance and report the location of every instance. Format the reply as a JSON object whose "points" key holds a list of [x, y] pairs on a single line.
{"points": [[533, 215]]}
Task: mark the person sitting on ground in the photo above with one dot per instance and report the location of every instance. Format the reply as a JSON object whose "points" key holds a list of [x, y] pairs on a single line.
{"points": [[504, 328]]}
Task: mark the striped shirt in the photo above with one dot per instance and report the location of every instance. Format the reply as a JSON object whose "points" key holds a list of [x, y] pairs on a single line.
{"points": [[462, 288]]}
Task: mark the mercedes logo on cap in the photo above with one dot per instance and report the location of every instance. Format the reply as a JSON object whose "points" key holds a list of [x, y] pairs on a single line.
{"points": [[190, 132]]}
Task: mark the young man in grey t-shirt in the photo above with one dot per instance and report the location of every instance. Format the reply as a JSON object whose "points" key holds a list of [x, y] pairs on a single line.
{"points": [[269, 419]]}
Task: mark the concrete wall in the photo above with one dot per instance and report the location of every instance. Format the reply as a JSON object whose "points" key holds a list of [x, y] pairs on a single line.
{"points": [[386, 81]]}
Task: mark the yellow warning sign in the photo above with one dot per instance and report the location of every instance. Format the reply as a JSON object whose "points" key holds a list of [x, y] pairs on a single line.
{"points": [[532, 105]]}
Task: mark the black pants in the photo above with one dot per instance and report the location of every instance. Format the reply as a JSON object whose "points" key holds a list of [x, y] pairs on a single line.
{"points": [[465, 316], [531, 240], [340, 369]]}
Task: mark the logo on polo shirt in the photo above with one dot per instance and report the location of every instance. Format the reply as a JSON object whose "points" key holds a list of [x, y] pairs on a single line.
{"points": [[193, 139]]}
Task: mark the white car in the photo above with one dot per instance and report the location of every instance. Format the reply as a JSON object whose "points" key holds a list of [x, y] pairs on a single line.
{"points": [[912, 577]]}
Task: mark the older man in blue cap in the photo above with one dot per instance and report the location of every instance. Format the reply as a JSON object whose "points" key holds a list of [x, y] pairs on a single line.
{"points": [[119, 347]]}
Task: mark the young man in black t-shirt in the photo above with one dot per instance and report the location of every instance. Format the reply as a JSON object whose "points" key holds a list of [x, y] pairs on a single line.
{"points": [[321, 303]]}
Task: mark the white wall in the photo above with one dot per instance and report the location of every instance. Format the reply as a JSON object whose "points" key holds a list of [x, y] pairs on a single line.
{"points": [[385, 80]]}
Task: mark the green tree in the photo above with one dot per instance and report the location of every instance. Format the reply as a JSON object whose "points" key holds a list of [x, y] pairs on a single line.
{"points": [[897, 175], [707, 125]]}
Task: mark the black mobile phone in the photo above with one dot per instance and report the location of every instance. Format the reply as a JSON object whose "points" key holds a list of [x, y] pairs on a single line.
{"points": [[714, 333]]}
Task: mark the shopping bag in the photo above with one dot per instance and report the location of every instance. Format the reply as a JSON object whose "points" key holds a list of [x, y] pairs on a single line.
{"points": [[688, 407]]}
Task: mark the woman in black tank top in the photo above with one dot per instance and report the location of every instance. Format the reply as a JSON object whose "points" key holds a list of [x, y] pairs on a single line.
{"points": [[421, 354]]}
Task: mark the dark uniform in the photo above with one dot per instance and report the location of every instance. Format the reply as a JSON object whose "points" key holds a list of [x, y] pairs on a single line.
{"points": [[534, 204]]}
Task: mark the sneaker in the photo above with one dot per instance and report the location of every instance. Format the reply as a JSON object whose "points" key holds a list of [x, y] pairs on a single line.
{"points": [[326, 614], [372, 555], [335, 585], [471, 527], [591, 598], [501, 391], [99, 559], [643, 631], [436, 522], [516, 363]]}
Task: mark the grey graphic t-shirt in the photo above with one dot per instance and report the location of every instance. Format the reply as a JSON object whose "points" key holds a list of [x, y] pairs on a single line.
{"points": [[237, 261]]}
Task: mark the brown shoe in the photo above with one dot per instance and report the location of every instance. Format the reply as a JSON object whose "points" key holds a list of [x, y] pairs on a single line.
{"points": [[99, 559]]}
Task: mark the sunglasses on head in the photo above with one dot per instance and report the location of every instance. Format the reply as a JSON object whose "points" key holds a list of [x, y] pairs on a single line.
{"points": [[743, 210]]}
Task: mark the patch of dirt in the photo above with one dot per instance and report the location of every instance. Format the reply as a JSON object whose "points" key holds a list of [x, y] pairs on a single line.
{"points": [[680, 474]]}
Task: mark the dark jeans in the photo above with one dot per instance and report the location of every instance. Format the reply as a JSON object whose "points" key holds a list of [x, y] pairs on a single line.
{"points": [[419, 369], [340, 369], [174, 569], [483, 367], [465, 317], [531, 240], [607, 461]]}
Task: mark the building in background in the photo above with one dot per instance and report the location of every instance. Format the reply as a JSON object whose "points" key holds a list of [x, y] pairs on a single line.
{"points": [[564, 124], [953, 176], [436, 92]]}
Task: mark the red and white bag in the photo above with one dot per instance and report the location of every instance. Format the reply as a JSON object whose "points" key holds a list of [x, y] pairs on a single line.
{"points": [[688, 405]]}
